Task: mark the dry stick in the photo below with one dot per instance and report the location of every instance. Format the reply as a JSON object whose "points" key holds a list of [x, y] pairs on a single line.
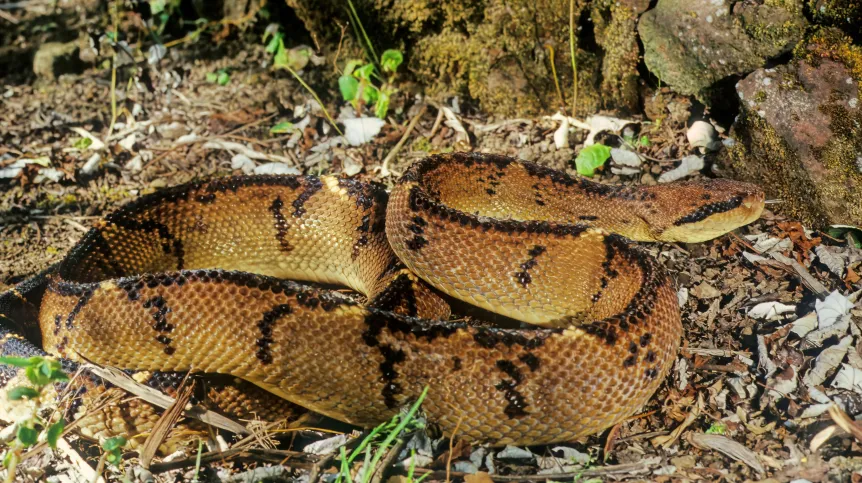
{"points": [[437, 123], [157, 398], [295, 458], [384, 168], [451, 446], [387, 460], [166, 423]]}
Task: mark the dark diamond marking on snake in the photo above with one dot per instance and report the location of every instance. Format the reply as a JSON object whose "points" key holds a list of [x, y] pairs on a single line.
{"points": [[399, 295], [206, 198], [388, 374], [515, 402], [523, 277], [417, 242], [531, 361], [265, 326], [456, 363], [511, 370], [312, 186], [281, 224], [706, 211], [170, 244], [645, 339], [82, 301]]}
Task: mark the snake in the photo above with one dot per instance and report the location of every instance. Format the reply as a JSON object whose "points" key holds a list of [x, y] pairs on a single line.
{"points": [[336, 295]]}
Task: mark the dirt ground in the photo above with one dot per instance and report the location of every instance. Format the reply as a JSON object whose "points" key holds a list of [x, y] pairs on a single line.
{"points": [[747, 400]]}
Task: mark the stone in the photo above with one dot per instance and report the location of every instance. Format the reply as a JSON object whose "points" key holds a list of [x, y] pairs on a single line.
{"points": [[692, 44], [799, 133], [56, 58]]}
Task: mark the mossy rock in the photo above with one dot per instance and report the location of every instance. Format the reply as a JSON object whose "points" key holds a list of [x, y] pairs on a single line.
{"points": [[509, 55], [800, 132]]}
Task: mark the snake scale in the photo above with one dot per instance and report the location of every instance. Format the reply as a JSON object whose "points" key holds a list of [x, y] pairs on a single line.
{"points": [[202, 277]]}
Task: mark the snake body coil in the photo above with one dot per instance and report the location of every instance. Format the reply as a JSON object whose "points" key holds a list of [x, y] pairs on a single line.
{"points": [[192, 278]]}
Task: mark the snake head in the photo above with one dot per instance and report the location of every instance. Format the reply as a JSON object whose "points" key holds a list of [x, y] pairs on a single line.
{"points": [[697, 211]]}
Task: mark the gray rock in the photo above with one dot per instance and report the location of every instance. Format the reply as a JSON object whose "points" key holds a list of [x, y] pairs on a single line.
{"points": [[691, 44]]}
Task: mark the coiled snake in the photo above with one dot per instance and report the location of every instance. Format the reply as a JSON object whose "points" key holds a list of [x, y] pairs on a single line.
{"points": [[192, 278]]}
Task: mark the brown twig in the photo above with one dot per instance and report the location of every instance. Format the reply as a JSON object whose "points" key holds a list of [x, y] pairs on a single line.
{"points": [[384, 168], [295, 459], [451, 447], [387, 460]]}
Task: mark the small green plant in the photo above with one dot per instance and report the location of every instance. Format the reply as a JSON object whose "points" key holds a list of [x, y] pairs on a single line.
{"points": [[358, 82], [591, 158], [41, 372], [282, 128], [284, 59], [392, 430], [161, 10], [220, 77], [82, 143], [113, 447], [717, 428]]}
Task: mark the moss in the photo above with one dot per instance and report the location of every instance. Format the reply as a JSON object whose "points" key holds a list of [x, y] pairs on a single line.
{"points": [[831, 43], [775, 26], [846, 14], [615, 26], [761, 155], [760, 96], [840, 156]]}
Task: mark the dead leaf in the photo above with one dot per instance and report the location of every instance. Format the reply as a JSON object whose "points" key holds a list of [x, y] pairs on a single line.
{"points": [[726, 446]]}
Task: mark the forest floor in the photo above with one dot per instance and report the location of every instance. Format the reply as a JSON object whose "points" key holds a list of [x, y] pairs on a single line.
{"points": [[745, 401]]}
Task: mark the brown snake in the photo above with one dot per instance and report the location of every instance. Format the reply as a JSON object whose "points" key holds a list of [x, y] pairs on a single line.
{"points": [[191, 279]]}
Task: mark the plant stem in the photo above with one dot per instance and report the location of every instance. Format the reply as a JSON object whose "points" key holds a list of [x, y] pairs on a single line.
{"points": [[314, 94], [572, 49], [355, 19], [392, 435]]}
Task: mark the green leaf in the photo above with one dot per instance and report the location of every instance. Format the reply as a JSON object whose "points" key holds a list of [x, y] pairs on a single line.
{"points": [[114, 443], [644, 141], [282, 128], [82, 143], [273, 44], [7, 460], [282, 57], [212, 77], [20, 392], [590, 158], [348, 86], [157, 7], [54, 432], [370, 94], [364, 72], [853, 234], [223, 78], [19, 361], [717, 428], [382, 105], [113, 458], [390, 60], [36, 377], [27, 436], [351, 66]]}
